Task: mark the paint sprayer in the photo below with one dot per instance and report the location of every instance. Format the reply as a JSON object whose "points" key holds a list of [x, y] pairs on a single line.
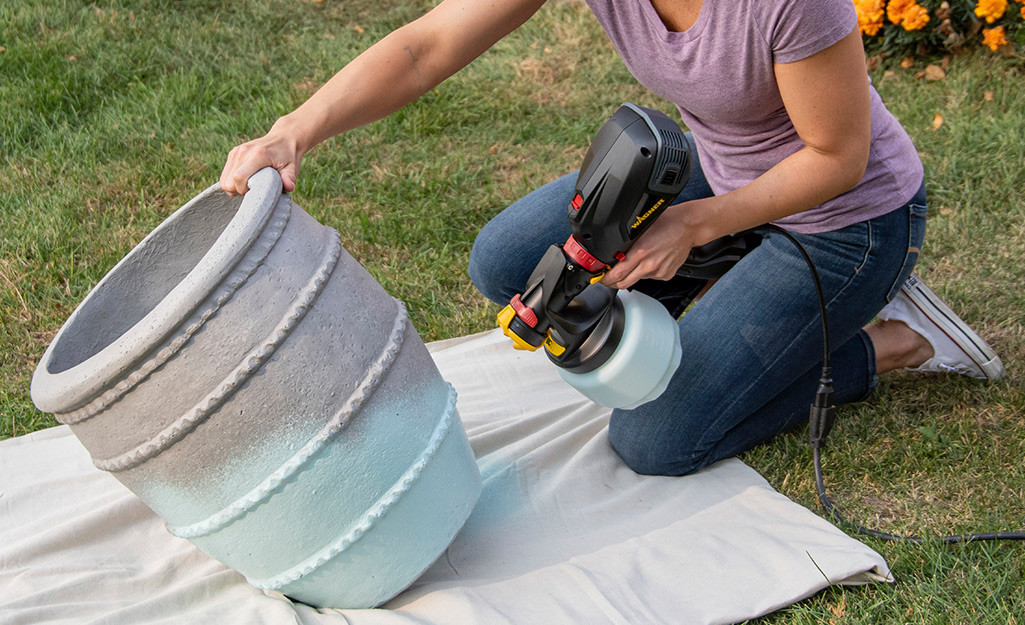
{"points": [[619, 348]]}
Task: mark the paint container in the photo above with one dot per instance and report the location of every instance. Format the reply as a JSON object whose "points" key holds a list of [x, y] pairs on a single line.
{"points": [[248, 380], [647, 356]]}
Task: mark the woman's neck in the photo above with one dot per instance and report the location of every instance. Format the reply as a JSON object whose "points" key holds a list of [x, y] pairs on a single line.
{"points": [[677, 15]]}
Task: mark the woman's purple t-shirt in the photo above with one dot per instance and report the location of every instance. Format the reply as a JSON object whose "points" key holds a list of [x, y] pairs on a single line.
{"points": [[719, 73]]}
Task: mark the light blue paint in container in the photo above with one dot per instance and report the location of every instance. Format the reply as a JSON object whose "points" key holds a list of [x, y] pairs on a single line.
{"points": [[259, 390]]}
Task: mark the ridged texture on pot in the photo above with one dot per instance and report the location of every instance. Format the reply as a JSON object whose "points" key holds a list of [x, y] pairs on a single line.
{"points": [[254, 385]]}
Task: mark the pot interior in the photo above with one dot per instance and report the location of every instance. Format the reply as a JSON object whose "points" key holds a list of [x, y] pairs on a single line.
{"points": [[142, 280]]}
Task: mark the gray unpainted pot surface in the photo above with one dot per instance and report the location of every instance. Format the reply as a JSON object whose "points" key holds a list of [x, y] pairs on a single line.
{"points": [[244, 376]]}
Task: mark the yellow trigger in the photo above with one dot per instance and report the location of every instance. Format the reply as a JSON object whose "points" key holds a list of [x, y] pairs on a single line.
{"points": [[554, 348]]}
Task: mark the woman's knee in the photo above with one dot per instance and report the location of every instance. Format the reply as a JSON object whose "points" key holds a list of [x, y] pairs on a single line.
{"points": [[648, 452], [489, 267], [509, 246]]}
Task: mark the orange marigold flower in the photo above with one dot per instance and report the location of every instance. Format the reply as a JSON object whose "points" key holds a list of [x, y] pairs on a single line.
{"points": [[995, 38], [908, 13], [1023, 12], [895, 10], [870, 15], [990, 10], [916, 20]]}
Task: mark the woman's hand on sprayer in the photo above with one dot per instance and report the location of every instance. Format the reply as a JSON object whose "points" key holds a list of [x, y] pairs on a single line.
{"points": [[279, 149], [662, 249]]}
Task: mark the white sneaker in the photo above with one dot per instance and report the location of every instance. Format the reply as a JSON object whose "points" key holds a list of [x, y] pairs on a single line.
{"points": [[957, 348]]}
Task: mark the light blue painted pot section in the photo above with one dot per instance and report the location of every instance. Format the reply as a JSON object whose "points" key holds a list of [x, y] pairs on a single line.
{"points": [[257, 388]]}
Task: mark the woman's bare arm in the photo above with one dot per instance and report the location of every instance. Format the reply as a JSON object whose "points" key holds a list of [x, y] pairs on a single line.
{"points": [[390, 74]]}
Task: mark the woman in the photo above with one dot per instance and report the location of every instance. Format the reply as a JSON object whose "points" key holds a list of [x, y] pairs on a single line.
{"points": [[786, 129]]}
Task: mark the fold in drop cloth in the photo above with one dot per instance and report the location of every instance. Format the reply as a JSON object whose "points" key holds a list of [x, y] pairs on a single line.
{"points": [[564, 532]]}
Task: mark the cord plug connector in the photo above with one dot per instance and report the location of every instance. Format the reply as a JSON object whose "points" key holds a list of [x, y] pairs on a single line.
{"points": [[823, 410]]}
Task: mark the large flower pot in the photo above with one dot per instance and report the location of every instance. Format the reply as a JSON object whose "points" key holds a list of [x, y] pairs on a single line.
{"points": [[244, 376]]}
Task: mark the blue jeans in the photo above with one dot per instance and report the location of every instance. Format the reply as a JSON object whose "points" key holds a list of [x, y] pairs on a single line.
{"points": [[752, 345]]}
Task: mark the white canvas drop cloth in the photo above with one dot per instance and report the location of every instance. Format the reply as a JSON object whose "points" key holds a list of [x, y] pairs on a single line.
{"points": [[564, 533]]}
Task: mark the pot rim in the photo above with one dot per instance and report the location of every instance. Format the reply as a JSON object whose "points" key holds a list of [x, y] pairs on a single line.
{"points": [[79, 384]]}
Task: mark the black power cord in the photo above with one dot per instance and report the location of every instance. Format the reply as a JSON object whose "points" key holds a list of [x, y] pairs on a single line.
{"points": [[820, 421]]}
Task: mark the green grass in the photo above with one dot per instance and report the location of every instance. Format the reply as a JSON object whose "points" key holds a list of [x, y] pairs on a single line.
{"points": [[115, 113]]}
